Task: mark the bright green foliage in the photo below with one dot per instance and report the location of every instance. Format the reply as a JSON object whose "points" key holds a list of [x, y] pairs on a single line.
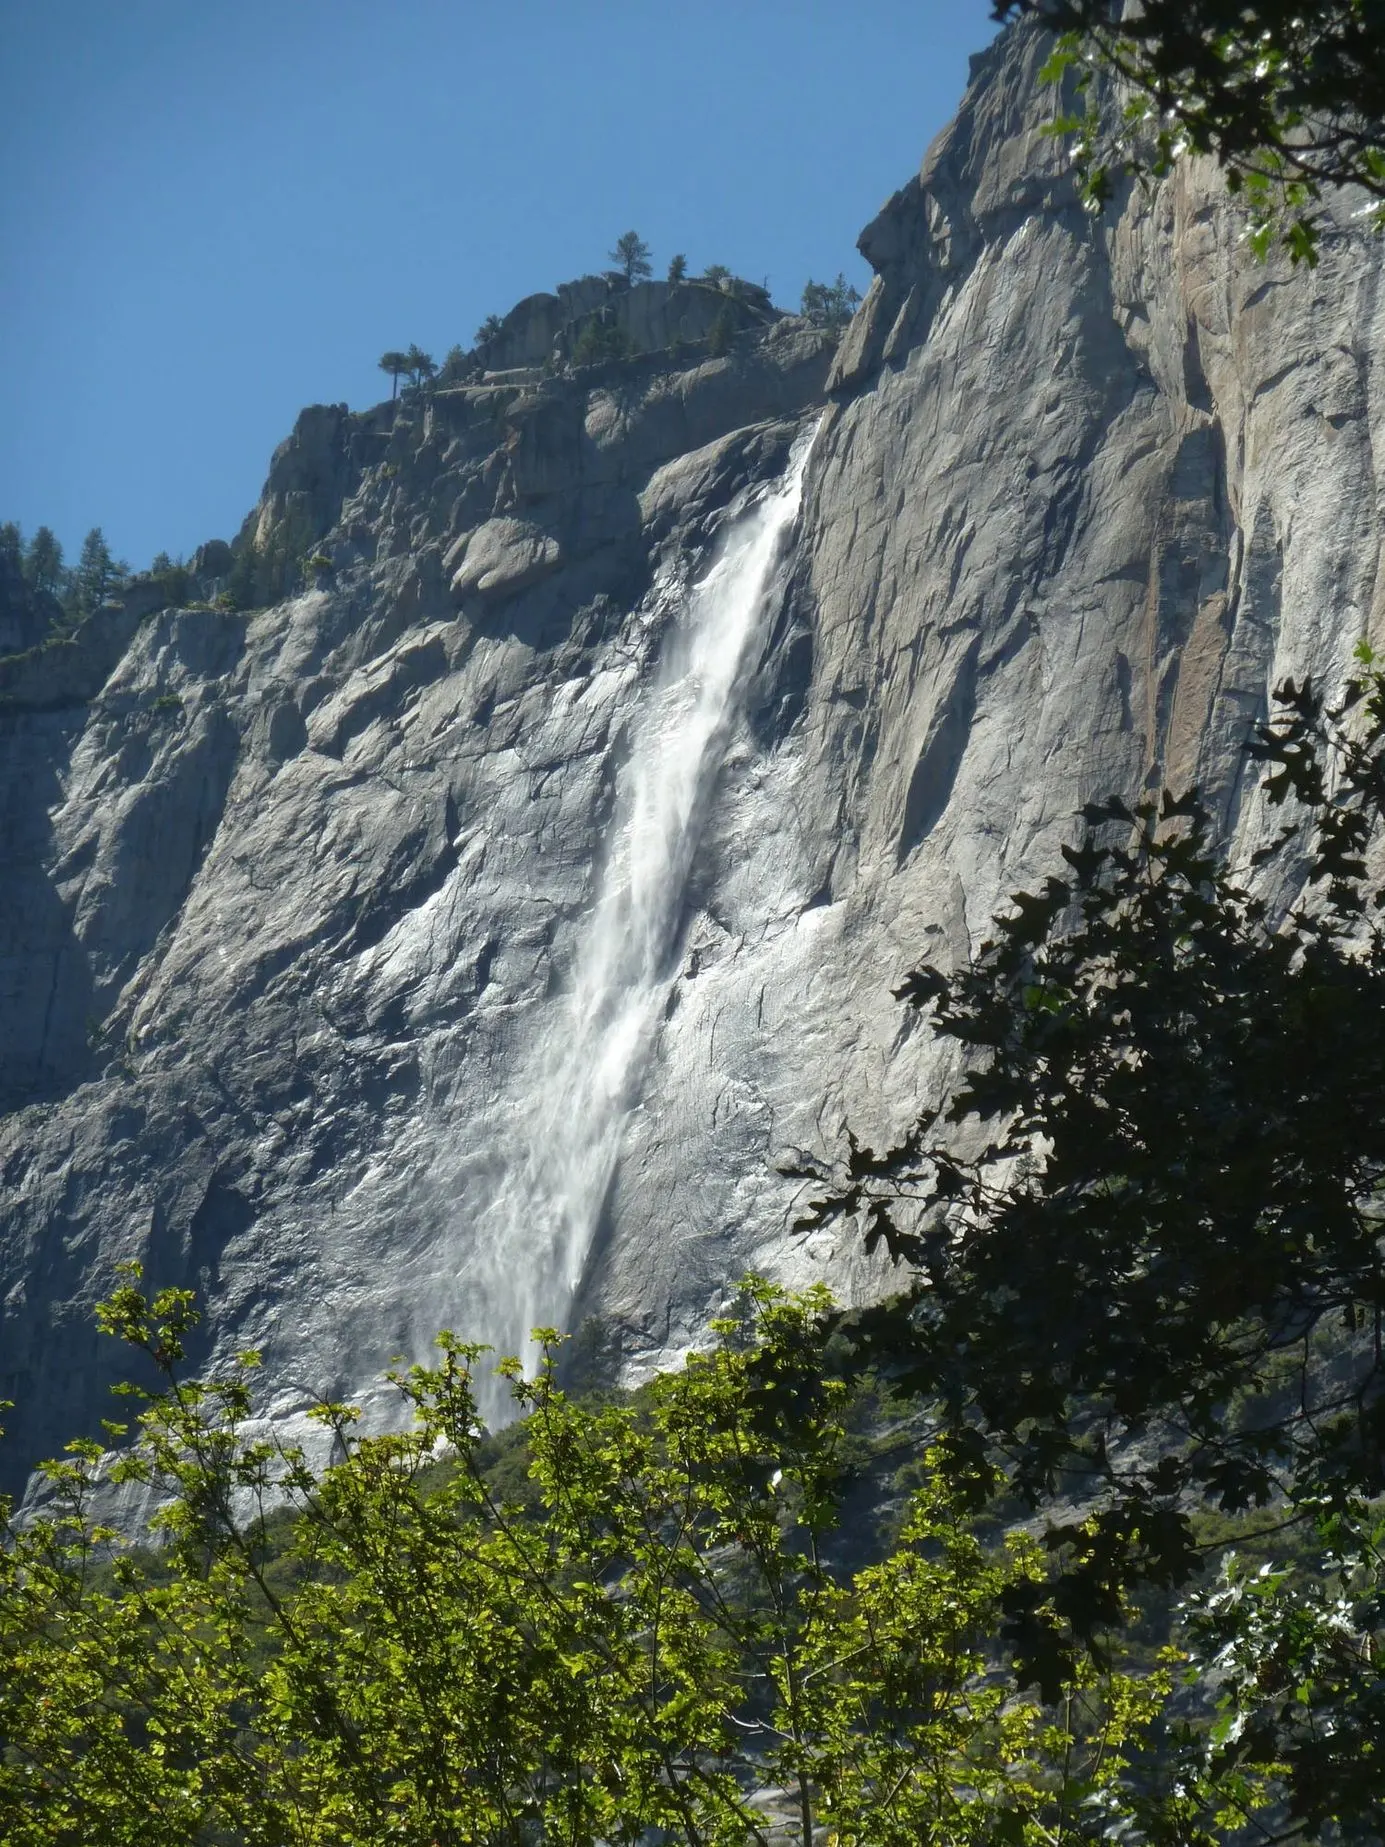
{"points": [[631, 257], [1295, 1651], [651, 1637], [914, 1736], [830, 304], [1289, 98]]}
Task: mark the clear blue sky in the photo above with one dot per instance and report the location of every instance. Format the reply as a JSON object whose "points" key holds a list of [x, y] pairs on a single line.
{"points": [[216, 211]]}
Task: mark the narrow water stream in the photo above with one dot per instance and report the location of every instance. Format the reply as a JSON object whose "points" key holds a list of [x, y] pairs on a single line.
{"points": [[587, 1072]]}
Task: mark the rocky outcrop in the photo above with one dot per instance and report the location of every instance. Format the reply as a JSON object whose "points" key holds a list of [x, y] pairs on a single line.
{"points": [[312, 472], [301, 889], [648, 317]]}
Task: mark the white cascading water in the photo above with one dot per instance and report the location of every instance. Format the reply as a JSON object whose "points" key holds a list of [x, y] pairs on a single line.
{"points": [[533, 1246]]}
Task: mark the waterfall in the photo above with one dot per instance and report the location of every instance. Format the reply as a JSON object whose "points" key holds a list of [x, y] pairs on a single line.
{"points": [[586, 1076]]}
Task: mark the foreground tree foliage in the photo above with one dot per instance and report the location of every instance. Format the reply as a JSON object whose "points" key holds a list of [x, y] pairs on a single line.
{"points": [[1289, 98], [1146, 1232], [1149, 1300], [648, 1634], [1147, 1320]]}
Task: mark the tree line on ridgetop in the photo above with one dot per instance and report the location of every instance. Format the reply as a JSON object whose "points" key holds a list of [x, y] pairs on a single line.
{"points": [[828, 305], [39, 563], [80, 588]]}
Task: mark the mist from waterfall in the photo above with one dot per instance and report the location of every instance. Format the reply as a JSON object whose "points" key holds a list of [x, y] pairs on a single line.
{"points": [[586, 1075]]}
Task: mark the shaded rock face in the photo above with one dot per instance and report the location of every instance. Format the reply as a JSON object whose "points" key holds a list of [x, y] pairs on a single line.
{"points": [[300, 890]]}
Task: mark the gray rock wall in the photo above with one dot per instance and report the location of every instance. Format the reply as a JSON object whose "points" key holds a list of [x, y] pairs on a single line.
{"points": [[306, 886], [652, 316], [287, 892]]}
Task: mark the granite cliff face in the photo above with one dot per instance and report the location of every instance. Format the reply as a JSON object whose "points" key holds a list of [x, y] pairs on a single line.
{"points": [[292, 898]]}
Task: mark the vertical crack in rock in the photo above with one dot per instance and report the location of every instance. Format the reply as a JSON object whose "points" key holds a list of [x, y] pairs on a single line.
{"points": [[526, 1259]]}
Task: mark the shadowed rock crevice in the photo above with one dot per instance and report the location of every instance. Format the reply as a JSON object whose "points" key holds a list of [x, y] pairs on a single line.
{"points": [[417, 870], [935, 772]]}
